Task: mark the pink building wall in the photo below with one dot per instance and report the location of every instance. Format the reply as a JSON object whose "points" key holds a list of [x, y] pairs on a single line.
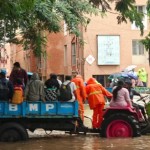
{"points": [[108, 26]]}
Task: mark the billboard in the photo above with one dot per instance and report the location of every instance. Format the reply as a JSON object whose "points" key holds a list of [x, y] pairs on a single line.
{"points": [[108, 49]]}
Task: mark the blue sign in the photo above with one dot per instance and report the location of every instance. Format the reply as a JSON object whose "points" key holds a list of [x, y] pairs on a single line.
{"points": [[38, 109]]}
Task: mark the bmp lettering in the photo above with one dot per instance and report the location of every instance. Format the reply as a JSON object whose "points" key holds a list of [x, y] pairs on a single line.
{"points": [[32, 107]]}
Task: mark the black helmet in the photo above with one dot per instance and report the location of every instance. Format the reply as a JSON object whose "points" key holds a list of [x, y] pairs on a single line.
{"points": [[128, 81], [120, 83]]}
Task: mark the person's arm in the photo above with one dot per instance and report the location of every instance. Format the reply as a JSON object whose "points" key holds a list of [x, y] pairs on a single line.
{"points": [[136, 93], [127, 98], [74, 88], [106, 93], [83, 91], [87, 90], [75, 94]]}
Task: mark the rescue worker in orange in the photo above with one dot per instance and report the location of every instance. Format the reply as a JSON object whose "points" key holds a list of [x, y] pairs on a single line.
{"points": [[80, 94], [95, 93]]}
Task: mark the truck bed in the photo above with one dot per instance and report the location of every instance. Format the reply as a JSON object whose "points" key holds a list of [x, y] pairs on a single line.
{"points": [[39, 109]]}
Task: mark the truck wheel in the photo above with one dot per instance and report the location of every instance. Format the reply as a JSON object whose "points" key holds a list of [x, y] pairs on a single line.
{"points": [[120, 125], [10, 132]]}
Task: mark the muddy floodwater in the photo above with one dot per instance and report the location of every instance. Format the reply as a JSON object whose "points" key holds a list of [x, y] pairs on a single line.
{"points": [[58, 140], [79, 143]]}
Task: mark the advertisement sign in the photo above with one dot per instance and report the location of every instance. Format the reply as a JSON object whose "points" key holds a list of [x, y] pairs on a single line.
{"points": [[108, 49]]}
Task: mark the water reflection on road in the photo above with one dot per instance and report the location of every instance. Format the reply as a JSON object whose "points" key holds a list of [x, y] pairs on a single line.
{"points": [[80, 142]]}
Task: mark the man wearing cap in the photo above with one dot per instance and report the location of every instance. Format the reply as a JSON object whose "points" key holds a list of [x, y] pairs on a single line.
{"points": [[6, 87]]}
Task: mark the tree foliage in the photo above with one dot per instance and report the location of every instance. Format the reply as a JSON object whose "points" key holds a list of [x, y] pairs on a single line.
{"points": [[146, 43], [30, 18]]}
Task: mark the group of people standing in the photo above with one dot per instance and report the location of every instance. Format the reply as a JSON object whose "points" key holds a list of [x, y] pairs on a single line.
{"points": [[138, 79]]}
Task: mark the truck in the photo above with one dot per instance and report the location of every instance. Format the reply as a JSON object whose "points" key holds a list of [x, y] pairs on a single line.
{"points": [[16, 119]]}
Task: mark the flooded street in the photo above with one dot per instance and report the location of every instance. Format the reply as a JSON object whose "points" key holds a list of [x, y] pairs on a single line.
{"points": [[58, 140], [79, 143]]}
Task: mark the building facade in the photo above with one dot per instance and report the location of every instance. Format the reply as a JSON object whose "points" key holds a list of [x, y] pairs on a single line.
{"points": [[104, 47], [113, 46]]}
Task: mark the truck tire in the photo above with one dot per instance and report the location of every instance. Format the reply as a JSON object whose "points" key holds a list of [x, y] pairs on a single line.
{"points": [[120, 125], [11, 132]]}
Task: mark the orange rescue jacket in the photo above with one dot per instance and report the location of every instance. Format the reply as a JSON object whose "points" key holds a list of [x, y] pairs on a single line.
{"points": [[80, 91], [96, 93]]}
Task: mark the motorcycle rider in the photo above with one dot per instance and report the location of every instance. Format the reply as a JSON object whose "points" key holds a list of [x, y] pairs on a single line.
{"points": [[132, 93]]}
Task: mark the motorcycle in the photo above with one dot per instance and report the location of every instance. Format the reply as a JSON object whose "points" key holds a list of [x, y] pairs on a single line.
{"points": [[145, 116]]}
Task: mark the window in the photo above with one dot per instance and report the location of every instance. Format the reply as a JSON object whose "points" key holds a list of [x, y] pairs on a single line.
{"points": [[141, 9], [73, 47], [137, 48], [65, 55], [102, 79]]}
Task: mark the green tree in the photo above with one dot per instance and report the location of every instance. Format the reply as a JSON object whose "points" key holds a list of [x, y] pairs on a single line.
{"points": [[30, 18], [146, 41]]}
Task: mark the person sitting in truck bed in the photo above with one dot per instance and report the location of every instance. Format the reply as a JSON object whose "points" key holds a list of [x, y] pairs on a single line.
{"points": [[68, 90], [52, 88], [34, 90], [6, 87]]}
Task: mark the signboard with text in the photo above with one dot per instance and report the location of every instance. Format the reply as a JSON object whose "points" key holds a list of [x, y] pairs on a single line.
{"points": [[108, 49]]}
